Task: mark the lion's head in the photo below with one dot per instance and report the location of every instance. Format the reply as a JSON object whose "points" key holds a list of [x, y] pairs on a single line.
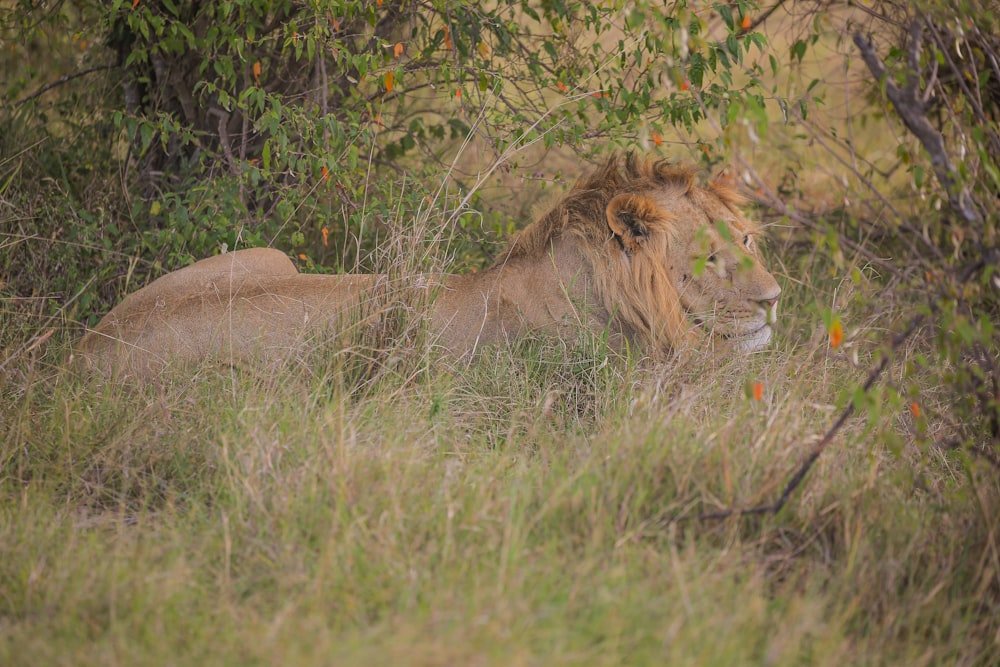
{"points": [[665, 252]]}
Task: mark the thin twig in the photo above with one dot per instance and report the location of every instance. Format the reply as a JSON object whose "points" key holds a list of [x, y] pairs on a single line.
{"points": [[796, 479], [58, 82], [975, 101], [912, 112], [764, 16], [773, 201]]}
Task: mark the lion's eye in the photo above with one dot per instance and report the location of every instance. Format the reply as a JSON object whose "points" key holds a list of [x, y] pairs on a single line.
{"points": [[711, 259]]}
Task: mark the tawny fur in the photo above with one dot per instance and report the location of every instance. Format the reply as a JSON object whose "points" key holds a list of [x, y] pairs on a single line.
{"points": [[619, 254]]}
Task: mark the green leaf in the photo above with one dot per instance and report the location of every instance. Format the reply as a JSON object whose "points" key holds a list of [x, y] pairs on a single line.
{"points": [[726, 12], [551, 50], [798, 50], [635, 18]]}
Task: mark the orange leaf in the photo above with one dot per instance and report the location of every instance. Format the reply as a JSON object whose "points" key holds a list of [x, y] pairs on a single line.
{"points": [[389, 78], [836, 334], [562, 86], [685, 84], [302, 256], [657, 138], [326, 176], [135, 3], [256, 71], [447, 38], [746, 22], [397, 50], [758, 391], [326, 236], [915, 410], [378, 2], [458, 94]]}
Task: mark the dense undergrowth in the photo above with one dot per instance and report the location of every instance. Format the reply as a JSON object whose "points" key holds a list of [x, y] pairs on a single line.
{"points": [[544, 503], [539, 505]]}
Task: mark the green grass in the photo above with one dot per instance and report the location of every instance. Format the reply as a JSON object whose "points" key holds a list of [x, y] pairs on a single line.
{"points": [[373, 504], [538, 507]]}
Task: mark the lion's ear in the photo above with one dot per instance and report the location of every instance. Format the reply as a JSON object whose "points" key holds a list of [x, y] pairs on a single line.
{"points": [[725, 186], [633, 217], [679, 179]]}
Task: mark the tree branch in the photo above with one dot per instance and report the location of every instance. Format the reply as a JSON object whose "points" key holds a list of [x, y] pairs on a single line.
{"points": [[912, 112]]}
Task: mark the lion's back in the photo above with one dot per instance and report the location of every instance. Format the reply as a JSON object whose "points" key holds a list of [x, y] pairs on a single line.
{"points": [[227, 307]]}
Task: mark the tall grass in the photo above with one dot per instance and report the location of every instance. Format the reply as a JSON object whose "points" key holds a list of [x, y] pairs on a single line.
{"points": [[538, 505]]}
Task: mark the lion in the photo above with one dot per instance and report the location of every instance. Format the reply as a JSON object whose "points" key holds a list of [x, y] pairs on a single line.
{"points": [[638, 251]]}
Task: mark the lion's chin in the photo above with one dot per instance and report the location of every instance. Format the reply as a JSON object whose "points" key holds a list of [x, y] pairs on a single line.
{"points": [[753, 341]]}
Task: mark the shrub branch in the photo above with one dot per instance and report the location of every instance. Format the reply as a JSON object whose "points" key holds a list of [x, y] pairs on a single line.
{"points": [[912, 111], [800, 474], [60, 81]]}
